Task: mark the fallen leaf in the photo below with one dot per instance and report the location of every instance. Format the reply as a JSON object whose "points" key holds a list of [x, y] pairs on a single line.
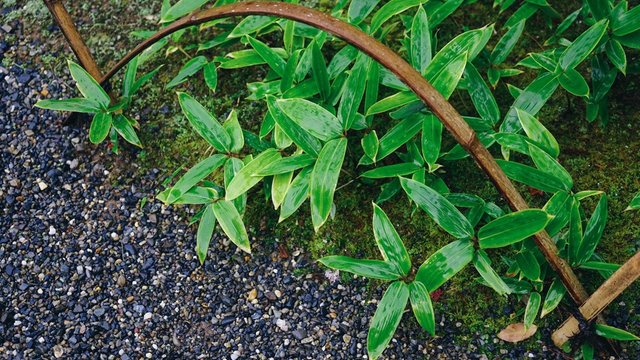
{"points": [[517, 332]]}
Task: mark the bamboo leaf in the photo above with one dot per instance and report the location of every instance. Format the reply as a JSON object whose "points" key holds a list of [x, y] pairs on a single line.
{"points": [[391, 171], [531, 312], [512, 228], [124, 128], [205, 232], [324, 179], [231, 223], [204, 123], [189, 69], [554, 295], [88, 86], [583, 45], [531, 176], [593, 231], [245, 178], [73, 105], [100, 126], [196, 174], [386, 318], [506, 43], [482, 264], [445, 263], [354, 91], [438, 208], [271, 57], [538, 133], [550, 166], [297, 194], [373, 269], [420, 42], [389, 242], [295, 132], [312, 118], [286, 164], [611, 332], [422, 306]]}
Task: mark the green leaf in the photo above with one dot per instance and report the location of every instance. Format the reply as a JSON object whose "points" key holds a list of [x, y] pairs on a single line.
{"points": [[482, 264], [297, 194], [195, 196], [231, 167], [446, 79], [279, 187], [130, 77], [531, 312], [575, 236], [512, 228], [232, 225], [481, 95], [370, 145], [211, 76], [438, 208], [251, 25], [422, 306], [181, 8], [573, 82], [353, 91], [189, 69], [554, 295], [386, 318], [286, 165], [635, 203], [205, 124], [245, 179], [440, 10], [593, 231], [506, 43], [312, 118], [558, 206], [391, 102], [611, 332], [399, 135], [124, 128], [390, 9], [196, 174], [324, 179], [232, 126], [538, 133], [205, 232], [528, 264], [270, 56], [143, 80], [100, 126], [431, 139], [531, 176], [627, 23], [73, 105], [616, 54], [389, 242], [445, 263], [341, 60], [550, 166], [420, 41], [300, 136], [530, 100], [320, 74], [391, 171], [373, 269], [583, 45], [360, 9], [88, 86]]}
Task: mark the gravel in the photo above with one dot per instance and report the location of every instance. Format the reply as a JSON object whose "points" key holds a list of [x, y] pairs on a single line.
{"points": [[86, 273]]}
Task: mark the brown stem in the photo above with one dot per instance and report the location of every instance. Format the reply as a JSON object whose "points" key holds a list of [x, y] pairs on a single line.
{"points": [[601, 298], [405, 72], [64, 21]]}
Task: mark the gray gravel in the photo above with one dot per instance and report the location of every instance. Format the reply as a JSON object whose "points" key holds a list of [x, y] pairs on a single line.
{"points": [[86, 273]]}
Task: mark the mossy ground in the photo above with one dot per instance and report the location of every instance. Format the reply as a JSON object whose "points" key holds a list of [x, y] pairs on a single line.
{"points": [[599, 158]]}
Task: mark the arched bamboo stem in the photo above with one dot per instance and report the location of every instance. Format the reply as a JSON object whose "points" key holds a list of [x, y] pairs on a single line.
{"points": [[454, 123]]}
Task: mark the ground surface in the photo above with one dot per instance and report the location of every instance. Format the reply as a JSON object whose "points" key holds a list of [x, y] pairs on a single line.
{"points": [[89, 266]]}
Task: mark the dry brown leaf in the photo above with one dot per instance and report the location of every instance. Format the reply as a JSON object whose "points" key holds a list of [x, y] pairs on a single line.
{"points": [[516, 332]]}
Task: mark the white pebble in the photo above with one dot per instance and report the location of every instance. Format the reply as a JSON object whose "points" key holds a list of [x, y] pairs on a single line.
{"points": [[52, 230]]}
